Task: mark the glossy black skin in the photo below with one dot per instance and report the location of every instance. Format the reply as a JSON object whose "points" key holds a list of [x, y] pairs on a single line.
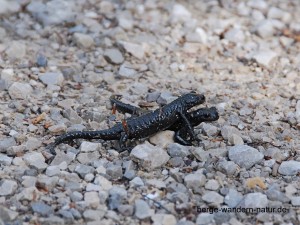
{"points": [[142, 126], [181, 133], [195, 117]]}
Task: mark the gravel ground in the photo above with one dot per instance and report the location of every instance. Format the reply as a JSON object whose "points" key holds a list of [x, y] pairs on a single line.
{"points": [[61, 60]]}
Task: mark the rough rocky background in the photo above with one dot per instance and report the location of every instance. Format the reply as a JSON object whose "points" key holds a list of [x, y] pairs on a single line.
{"points": [[61, 60]]}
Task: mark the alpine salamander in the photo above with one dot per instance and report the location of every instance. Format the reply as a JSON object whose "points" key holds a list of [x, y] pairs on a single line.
{"points": [[144, 125], [194, 117]]}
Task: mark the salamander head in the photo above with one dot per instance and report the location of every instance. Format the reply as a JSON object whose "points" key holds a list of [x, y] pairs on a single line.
{"points": [[202, 115], [192, 99]]}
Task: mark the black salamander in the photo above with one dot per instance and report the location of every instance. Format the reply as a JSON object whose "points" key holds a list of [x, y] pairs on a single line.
{"points": [[181, 133], [142, 126]]}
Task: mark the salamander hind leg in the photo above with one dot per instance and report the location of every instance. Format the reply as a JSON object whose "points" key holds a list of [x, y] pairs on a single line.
{"points": [[126, 108]]}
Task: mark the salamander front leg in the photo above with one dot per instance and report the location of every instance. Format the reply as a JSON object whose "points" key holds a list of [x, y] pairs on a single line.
{"points": [[122, 142], [179, 139], [189, 126]]}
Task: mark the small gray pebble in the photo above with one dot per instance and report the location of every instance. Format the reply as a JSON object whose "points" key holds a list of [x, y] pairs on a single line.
{"points": [[156, 183], [114, 171], [72, 115], [149, 156], [274, 194], [83, 170], [265, 28], [176, 187], [227, 167], [289, 168], [213, 197], [153, 96], [52, 78], [254, 200], [113, 56], [235, 35], [68, 73], [142, 209], [178, 197], [233, 198], [137, 181], [6, 143], [221, 217], [49, 182], [92, 187], [31, 172], [296, 201], [126, 71], [134, 49], [36, 160], [5, 160], [264, 57], [41, 208], [66, 214], [165, 98], [114, 201], [212, 185], [78, 29], [52, 171], [129, 174], [245, 156], [87, 157], [118, 190], [41, 61], [176, 150], [94, 215], [227, 131], [129, 165], [209, 130], [195, 180], [7, 187], [76, 214], [176, 162], [76, 196], [33, 144], [94, 116], [16, 49], [224, 191], [62, 157], [8, 215], [89, 146], [246, 111], [187, 222], [126, 210], [54, 12], [234, 120], [3, 85], [204, 218], [83, 40]]}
